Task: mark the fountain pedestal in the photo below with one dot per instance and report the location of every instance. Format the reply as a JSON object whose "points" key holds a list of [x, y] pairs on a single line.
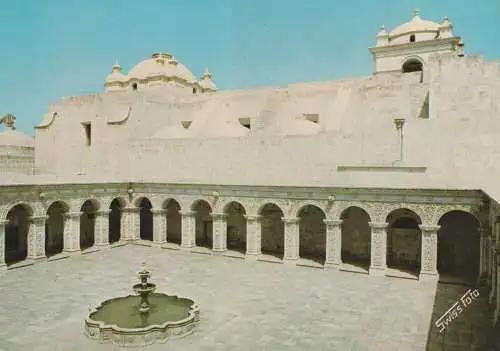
{"points": [[142, 319]]}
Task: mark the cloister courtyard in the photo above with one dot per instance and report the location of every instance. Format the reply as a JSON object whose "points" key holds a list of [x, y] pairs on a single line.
{"points": [[245, 305]]}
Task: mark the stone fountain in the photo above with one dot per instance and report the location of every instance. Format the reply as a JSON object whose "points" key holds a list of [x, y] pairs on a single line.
{"points": [[142, 319]]}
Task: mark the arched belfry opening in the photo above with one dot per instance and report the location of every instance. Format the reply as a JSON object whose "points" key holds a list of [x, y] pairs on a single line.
{"points": [[412, 65]]}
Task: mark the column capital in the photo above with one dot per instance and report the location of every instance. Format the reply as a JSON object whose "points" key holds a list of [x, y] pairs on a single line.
{"points": [[102, 212], [252, 217], [332, 222], [484, 232], [72, 214], [38, 219], [429, 228], [158, 211], [379, 225], [218, 215], [290, 220], [187, 213], [3, 222], [130, 209]]}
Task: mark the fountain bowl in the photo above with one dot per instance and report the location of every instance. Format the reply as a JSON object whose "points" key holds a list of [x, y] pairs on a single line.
{"points": [[118, 321]]}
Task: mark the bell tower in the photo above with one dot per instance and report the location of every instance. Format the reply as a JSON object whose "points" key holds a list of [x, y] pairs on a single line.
{"points": [[408, 47]]}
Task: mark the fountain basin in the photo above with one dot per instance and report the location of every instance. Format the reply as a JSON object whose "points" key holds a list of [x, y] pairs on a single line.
{"points": [[119, 321]]}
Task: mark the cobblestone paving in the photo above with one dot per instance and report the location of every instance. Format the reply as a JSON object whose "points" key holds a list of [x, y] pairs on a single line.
{"points": [[244, 305]]}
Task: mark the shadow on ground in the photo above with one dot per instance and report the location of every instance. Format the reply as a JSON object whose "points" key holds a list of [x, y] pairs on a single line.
{"points": [[470, 330]]}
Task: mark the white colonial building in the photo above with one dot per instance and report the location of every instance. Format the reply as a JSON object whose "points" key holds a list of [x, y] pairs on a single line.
{"points": [[392, 174]]}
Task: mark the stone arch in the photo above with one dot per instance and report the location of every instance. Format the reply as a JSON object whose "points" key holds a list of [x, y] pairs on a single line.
{"points": [[96, 205], [16, 233], [195, 203], [87, 223], [412, 64], [145, 218], [272, 230], [54, 227], [356, 237], [204, 223], [236, 226], [174, 220], [459, 241], [116, 207], [298, 206], [404, 240], [6, 209], [312, 233], [249, 206], [340, 207]]}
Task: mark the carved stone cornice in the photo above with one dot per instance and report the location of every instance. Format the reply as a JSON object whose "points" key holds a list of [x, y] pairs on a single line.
{"points": [[429, 228], [102, 212], [218, 216], [158, 211], [378, 225], [72, 214], [38, 219], [130, 209], [290, 220], [332, 222], [251, 218]]}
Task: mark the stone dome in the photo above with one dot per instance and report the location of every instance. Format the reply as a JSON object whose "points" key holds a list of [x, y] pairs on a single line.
{"points": [[416, 25], [14, 138], [161, 65]]}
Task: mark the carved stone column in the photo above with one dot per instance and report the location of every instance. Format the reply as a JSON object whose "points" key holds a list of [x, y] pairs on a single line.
{"points": [[428, 260], [220, 232], [254, 234], [493, 290], [333, 242], [36, 238], [159, 226], [102, 227], [291, 239], [494, 264], [378, 253], [188, 229], [483, 256], [497, 309], [2, 243], [130, 225], [72, 231]]}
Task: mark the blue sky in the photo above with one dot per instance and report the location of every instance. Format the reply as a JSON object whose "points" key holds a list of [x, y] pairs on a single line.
{"points": [[56, 48]]}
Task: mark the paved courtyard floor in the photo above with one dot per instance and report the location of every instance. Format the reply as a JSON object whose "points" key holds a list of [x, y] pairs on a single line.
{"points": [[244, 305]]}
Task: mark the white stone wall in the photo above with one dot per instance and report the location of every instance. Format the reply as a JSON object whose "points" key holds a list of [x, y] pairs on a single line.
{"points": [[14, 160], [356, 115]]}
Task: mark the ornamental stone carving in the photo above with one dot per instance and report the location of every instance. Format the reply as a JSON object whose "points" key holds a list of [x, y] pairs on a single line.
{"points": [[159, 226], [254, 233], [102, 227], [378, 247], [2, 242], [429, 249], [219, 231], [297, 206], [188, 224], [291, 238], [36, 237], [333, 242]]}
